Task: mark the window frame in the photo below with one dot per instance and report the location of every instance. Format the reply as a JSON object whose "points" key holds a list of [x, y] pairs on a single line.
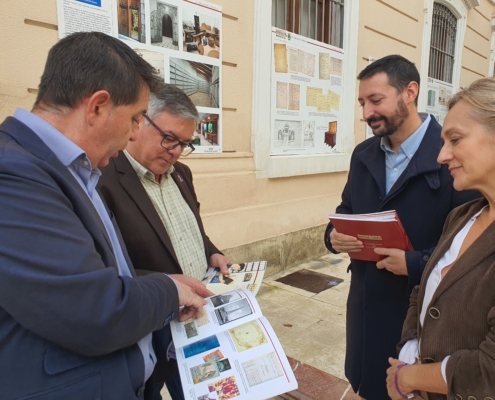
{"points": [[460, 9], [444, 52], [295, 24], [268, 166]]}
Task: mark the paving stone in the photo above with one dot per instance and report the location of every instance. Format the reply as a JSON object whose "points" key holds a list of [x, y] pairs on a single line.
{"points": [[315, 384]]}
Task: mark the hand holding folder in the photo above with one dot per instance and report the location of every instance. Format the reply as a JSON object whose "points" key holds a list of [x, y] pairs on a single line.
{"points": [[374, 230]]}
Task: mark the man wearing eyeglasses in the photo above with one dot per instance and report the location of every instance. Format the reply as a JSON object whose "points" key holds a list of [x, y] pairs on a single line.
{"points": [[153, 200]]}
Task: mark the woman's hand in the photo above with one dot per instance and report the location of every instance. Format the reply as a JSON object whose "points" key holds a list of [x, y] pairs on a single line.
{"points": [[391, 381]]}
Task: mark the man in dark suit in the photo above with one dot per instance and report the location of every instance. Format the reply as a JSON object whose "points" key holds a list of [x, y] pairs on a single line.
{"points": [[152, 197], [75, 321], [395, 170]]}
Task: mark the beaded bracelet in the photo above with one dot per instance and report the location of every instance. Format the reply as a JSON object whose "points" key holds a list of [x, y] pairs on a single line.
{"points": [[396, 376]]}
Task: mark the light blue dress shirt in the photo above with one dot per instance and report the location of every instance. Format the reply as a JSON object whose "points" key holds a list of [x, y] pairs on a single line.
{"points": [[76, 161], [395, 164]]}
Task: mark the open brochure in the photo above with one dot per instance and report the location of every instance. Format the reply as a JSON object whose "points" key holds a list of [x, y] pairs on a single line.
{"points": [[242, 276], [231, 352], [382, 229]]}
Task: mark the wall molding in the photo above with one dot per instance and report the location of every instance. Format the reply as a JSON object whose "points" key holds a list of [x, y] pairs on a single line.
{"points": [[470, 4]]}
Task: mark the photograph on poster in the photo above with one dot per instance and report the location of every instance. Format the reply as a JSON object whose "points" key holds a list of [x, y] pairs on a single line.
{"points": [[294, 96], [331, 134], [199, 81], [280, 54], [164, 25], [442, 96], [207, 130], [130, 19], [155, 58], [288, 133], [306, 82], [308, 133], [439, 94], [282, 95], [200, 33], [431, 97]]}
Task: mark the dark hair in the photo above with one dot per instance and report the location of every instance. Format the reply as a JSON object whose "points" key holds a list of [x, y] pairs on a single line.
{"points": [[171, 99], [85, 62], [400, 71]]}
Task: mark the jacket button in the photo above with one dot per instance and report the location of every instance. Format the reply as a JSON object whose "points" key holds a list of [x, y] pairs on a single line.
{"points": [[472, 398], [435, 314], [140, 392], [488, 398], [426, 258], [458, 397], [428, 360]]}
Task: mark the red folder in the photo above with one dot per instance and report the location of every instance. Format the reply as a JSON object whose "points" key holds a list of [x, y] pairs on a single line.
{"points": [[382, 229]]}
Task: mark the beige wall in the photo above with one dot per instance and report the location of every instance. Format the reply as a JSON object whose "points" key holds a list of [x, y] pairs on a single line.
{"points": [[237, 208], [387, 27], [476, 51]]}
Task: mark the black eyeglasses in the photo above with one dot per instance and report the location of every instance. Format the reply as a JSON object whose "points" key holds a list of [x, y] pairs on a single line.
{"points": [[170, 142]]}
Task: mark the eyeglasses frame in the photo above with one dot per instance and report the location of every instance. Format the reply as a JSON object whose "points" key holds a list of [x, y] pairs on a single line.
{"points": [[183, 145]]}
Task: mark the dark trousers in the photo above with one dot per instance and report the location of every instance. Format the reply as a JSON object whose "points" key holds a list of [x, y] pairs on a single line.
{"points": [[174, 387]]}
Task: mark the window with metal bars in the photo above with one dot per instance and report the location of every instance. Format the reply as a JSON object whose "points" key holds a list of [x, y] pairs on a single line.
{"points": [[322, 20], [442, 45]]}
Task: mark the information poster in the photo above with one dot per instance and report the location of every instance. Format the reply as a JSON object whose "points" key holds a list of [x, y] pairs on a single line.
{"points": [[306, 105], [439, 94], [180, 38]]}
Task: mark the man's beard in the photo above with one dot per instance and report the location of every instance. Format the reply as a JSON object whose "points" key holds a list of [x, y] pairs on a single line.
{"points": [[392, 124]]}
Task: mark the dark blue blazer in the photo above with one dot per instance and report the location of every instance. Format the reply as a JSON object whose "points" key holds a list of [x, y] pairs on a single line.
{"points": [[378, 300], [69, 323]]}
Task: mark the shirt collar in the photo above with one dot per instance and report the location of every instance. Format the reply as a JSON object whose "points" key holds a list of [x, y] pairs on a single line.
{"points": [[143, 172], [411, 144], [64, 149]]}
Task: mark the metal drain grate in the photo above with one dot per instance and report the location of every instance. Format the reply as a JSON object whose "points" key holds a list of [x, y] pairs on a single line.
{"points": [[310, 281]]}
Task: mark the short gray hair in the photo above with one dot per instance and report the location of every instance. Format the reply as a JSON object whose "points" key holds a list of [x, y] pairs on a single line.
{"points": [[171, 99]]}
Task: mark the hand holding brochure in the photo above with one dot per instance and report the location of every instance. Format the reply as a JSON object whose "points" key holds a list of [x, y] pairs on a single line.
{"points": [[382, 229], [231, 351], [241, 276]]}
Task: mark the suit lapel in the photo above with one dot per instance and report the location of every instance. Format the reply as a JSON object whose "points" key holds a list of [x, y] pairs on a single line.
{"points": [[373, 158], [32, 143], [131, 184], [179, 181], [476, 253]]}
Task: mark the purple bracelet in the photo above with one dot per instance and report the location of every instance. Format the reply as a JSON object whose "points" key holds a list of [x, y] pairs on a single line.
{"points": [[404, 396]]}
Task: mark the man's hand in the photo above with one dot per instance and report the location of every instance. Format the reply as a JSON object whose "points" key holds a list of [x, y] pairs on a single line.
{"points": [[218, 260], [191, 304], [395, 260], [196, 286], [344, 243]]}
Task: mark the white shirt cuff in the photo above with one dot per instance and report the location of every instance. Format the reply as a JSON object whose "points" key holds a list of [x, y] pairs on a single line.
{"points": [[409, 353], [444, 368]]}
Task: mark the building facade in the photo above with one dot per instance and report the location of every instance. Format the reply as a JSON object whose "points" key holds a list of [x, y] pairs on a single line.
{"points": [[256, 205]]}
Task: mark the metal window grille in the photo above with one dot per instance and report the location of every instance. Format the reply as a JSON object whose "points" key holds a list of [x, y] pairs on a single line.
{"points": [[442, 46], [322, 20]]}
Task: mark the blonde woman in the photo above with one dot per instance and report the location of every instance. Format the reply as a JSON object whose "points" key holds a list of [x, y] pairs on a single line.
{"points": [[448, 340]]}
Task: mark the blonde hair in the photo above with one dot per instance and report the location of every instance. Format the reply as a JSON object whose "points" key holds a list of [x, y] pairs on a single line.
{"points": [[480, 95]]}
